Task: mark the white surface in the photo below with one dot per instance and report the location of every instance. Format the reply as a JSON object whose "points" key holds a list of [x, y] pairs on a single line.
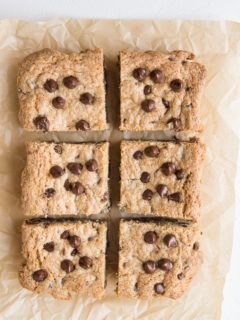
{"points": [[162, 9], [170, 9]]}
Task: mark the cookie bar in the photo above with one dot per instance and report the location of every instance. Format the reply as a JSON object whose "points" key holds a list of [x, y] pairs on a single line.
{"points": [[62, 92], [64, 257], [161, 178], [160, 91], [65, 179], [157, 259]]}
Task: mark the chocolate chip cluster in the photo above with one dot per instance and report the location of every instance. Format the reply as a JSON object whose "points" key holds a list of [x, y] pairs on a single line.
{"points": [[75, 168], [66, 265], [157, 76], [167, 169], [41, 122], [164, 264]]}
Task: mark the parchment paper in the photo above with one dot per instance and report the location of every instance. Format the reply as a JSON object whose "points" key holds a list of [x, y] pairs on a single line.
{"points": [[217, 45]]}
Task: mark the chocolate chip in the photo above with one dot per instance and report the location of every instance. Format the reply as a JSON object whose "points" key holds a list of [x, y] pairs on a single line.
{"points": [[58, 149], [188, 89], [166, 103], [159, 288], [145, 177], [157, 76], [152, 151], [177, 124], [147, 90], [138, 155], [180, 174], [150, 237], [51, 85], [165, 264], [67, 266], [70, 82], [149, 266], [56, 171], [74, 252], [148, 105], [168, 168], [58, 102], [177, 197], [147, 194], [46, 224], [176, 85], [87, 98], [193, 139], [92, 165], [67, 185], [104, 197], [162, 190], [135, 287], [140, 74], [74, 241], [39, 275], [85, 262], [75, 167], [49, 246], [181, 276], [77, 188], [41, 123], [65, 235], [170, 240], [82, 125], [196, 246], [184, 62], [50, 192]]}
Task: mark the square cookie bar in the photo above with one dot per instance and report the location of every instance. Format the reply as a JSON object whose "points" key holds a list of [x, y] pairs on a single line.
{"points": [[62, 92], [161, 178], [160, 91], [65, 179], [157, 259], [64, 257]]}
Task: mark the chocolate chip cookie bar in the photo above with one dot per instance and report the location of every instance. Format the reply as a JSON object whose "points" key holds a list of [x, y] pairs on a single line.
{"points": [[65, 179], [160, 91], [161, 178], [62, 92], [64, 257], [157, 259]]}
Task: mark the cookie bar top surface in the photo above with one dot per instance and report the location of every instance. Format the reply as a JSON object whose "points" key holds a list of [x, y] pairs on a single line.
{"points": [[64, 258], [156, 259], [160, 91], [161, 178], [65, 179], [62, 92]]}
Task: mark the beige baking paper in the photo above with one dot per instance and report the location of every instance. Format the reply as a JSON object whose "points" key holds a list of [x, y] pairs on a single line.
{"points": [[217, 45]]}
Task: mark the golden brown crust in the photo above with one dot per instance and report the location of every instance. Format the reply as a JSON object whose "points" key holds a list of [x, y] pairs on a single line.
{"points": [[59, 284], [36, 179], [183, 105], [185, 156], [134, 282], [46, 64]]}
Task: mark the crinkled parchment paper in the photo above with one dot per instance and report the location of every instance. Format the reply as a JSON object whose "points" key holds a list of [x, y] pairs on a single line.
{"points": [[217, 45]]}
